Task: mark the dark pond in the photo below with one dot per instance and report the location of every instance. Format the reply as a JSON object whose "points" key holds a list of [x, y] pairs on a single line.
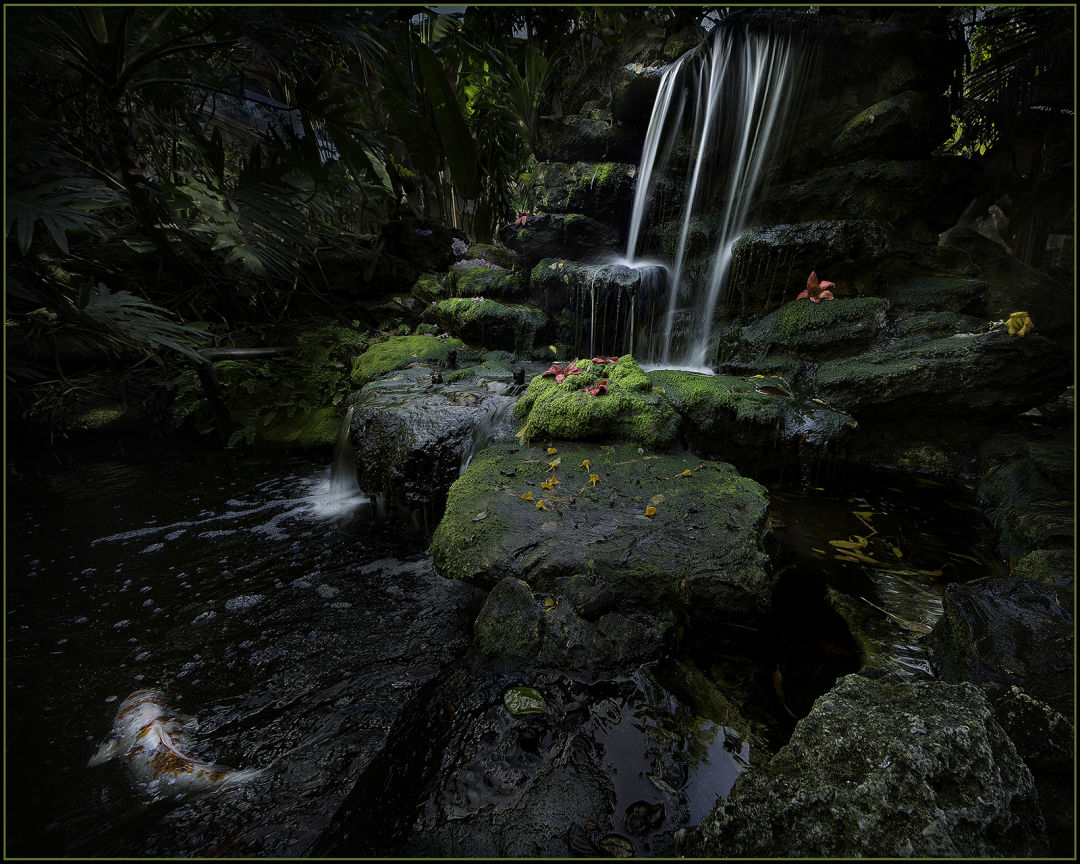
{"points": [[305, 634]]}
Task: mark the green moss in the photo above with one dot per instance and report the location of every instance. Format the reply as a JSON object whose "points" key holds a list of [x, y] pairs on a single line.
{"points": [[630, 410], [474, 280], [97, 418], [400, 351], [429, 288], [924, 459], [290, 400]]}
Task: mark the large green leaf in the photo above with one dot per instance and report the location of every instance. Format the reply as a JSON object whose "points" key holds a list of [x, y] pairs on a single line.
{"points": [[458, 146]]}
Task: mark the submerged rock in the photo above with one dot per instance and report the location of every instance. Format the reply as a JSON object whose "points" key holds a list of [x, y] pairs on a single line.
{"points": [[884, 767]]}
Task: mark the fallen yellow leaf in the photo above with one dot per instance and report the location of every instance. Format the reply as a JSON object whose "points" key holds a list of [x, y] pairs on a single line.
{"points": [[685, 473], [554, 350], [650, 511]]}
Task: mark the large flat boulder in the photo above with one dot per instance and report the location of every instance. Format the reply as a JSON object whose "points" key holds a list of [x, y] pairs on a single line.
{"points": [[621, 530]]}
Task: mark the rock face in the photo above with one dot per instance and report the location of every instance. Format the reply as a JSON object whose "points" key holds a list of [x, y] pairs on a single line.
{"points": [[502, 326], [654, 532], [1006, 632], [884, 767]]}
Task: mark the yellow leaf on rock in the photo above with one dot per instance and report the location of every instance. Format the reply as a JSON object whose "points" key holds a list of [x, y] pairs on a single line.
{"points": [[685, 473], [650, 511], [554, 350]]}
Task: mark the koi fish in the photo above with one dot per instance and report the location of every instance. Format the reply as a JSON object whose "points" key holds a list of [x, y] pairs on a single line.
{"points": [[153, 741]]}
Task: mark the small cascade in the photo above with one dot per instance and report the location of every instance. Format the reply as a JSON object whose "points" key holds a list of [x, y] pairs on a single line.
{"points": [[340, 492], [343, 468], [727, 100], [493, 425]]}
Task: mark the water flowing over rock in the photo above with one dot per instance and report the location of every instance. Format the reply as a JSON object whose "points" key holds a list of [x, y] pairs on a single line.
{"points": [[884, 767]]}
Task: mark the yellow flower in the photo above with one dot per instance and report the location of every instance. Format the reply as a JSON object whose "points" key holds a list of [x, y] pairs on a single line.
{"points": [[1020, 324], [650, 511], [552, 451], [593, 478], [685, 473], [540, 505], [528, 496], [554, 464], [547, 484], [584, 465]]}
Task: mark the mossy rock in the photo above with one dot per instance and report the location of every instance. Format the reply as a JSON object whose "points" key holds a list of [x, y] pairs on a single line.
{"points": [[474, 279], [489, 323], [749, 420], [816, 331], [569, 235], [401, 351], [491, 253], [698, 551], [631, 410], [770, 266], [937, 293], [919, 197], [908, 125], [599, 189], [988, 374], [429, 288]]}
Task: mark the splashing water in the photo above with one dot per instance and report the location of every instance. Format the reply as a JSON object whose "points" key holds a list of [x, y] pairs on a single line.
{"points": [[340, 493]]}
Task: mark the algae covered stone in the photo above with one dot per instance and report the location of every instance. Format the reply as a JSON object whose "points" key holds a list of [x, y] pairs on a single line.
{"points": [[590, 538], [486, 322], [401, 351], [632, 409]]}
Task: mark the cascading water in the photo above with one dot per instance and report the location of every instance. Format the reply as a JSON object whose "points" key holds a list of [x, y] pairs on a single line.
{"points": [[741, 85], [492, 426], [340, 493]]}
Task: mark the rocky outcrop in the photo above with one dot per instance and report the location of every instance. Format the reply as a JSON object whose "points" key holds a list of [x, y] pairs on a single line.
{"points": [[884, 767]]}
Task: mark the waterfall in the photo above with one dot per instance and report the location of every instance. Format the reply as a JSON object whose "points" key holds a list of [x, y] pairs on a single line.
{"points": [[492, 426], [343, 468], [740, 86]]}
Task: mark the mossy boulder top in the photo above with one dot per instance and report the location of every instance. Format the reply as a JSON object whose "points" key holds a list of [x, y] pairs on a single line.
{"points": [[619, 529], [631, 409], [504, 326], [398, 352]]}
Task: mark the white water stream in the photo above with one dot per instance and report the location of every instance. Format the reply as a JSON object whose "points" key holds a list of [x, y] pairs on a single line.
{"points": [[729, 99]]}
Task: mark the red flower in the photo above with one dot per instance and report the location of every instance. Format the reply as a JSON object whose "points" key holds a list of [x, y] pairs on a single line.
{"points": [[816, 291], [560, 372], [601, 387], [522, 219], [605, 359]]}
